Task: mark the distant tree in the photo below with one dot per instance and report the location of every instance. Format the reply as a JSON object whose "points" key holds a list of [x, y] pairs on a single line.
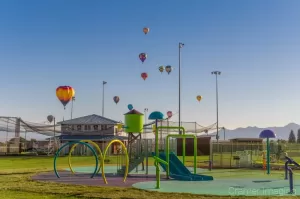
{"points": [[292, 137], [298, 136]]}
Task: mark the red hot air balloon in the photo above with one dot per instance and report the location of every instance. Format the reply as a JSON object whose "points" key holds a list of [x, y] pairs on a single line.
{"points": [[169, 114], [144, 76], [146, 30], [116, 99]]}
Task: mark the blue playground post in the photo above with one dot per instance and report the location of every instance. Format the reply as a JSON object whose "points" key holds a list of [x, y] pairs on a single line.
{"points": [[291, 181], [288, 169]]}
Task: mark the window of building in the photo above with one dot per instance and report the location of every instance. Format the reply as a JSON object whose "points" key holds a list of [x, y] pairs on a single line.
{"points": [[89, 127], [85, 127], [78, 127], [95, 127]]}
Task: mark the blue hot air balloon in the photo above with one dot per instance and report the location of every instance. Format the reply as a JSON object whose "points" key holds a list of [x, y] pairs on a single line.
{"points": [[130, 107]]}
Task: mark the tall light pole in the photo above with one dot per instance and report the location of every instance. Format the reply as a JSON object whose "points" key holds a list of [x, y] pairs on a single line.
{"points": [[217, 101], [145, 111], [146, 141], [73, 99], [104, 82], [179, 83]]}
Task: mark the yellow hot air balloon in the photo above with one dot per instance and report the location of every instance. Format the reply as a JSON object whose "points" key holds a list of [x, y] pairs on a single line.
{"points": [[199, 97], [65, 94], [161, 69]]}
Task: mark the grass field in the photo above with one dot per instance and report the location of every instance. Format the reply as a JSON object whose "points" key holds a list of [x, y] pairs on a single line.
{"points": [[15, 182]]}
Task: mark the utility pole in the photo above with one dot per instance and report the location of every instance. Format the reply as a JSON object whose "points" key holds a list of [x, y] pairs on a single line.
{"points": [[73, 99], [103, 83], [217, 101], [179, 83]]}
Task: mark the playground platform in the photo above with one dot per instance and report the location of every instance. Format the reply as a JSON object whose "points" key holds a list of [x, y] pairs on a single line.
{"points": [[85, 179], [227, 182]]}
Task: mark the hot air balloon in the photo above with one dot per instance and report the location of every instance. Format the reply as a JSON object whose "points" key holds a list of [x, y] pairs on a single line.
{"points": [[169, 114], [146, 30], [168, 69], [116, 99], [144, 76], [161, 69], [199, 97], [143, 57], [130, 107], [50, 118], [65, 94]]}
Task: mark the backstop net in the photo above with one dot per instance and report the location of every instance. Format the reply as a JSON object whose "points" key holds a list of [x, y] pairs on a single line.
{"points": [[17, 136]]}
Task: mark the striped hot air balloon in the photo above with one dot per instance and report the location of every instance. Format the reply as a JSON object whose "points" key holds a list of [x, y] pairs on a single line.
{"points": [[65, 94]]}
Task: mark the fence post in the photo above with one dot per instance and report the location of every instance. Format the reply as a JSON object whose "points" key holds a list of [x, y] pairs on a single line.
{"points": [[251, 156], [211, 152], [231, 155], [221, 150]]}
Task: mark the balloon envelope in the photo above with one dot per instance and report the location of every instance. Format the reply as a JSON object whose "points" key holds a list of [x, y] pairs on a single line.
{"points": [[50, 118], [199, 97], [146, 30], [169, 114], [65, 94], [144, 76], [168, 69], [161, 69], [143, 57], [130, 107], [116, 99]]}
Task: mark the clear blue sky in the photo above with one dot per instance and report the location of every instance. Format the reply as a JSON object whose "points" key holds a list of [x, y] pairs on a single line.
{"points": [[256, 45]]}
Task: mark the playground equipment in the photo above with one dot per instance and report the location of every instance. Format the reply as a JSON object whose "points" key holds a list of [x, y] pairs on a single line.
{"points": [[290, 171], [264, 163], [134, 126], [267, 134], [92, 143], [127, 159], [102, 157], [76, 142], [170, 162], [242, 158]]}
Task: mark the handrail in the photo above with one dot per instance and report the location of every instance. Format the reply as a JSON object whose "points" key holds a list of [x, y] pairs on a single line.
{"points": [[160, 160], [157, 160], [288, 169]]}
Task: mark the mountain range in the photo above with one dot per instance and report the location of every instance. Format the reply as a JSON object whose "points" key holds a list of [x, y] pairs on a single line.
{"points": [[253, 132]]}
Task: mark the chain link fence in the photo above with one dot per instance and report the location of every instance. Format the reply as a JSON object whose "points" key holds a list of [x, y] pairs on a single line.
{"points": [[249, 155]]}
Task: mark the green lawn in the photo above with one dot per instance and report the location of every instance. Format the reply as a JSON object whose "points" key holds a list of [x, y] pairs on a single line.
{"points": [[15, 182]]}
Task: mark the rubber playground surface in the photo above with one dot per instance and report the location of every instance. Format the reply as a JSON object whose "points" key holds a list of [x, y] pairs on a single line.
{"points": [[226, 182]]}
